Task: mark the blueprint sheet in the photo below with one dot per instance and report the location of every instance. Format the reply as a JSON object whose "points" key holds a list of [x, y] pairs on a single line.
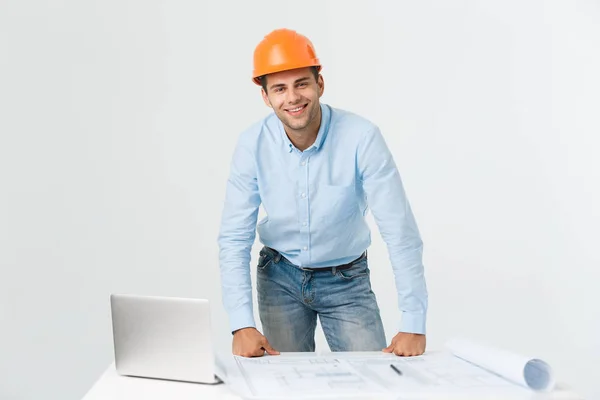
{"points": [[368, 375]]}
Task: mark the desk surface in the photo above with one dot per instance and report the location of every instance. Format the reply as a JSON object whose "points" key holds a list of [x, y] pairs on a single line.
{"points": [[112, 386]]}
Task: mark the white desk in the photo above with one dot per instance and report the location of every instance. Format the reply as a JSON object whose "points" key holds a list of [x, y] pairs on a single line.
{"points": [[112, 386]]}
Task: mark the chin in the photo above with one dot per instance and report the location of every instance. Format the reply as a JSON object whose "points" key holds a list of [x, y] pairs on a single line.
{"points": [[298, 127]]}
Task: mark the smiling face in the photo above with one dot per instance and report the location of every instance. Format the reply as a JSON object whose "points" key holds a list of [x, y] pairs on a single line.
{"points": [[294, 96]]}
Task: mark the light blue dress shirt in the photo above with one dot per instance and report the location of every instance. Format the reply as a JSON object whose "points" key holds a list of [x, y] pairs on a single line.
{"points": [[315, 201]]}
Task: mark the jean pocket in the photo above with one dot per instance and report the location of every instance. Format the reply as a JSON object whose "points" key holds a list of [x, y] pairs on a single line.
{"points": [[264, 260], [357, 270]]}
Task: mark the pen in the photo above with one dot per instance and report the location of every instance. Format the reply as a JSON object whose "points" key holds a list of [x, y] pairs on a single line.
{"points": [[396, 369]]}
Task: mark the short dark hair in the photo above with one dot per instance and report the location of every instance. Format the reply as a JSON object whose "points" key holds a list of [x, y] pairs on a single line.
{"points": [[263, 79]]}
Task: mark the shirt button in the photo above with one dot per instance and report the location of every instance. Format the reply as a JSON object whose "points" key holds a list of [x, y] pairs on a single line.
{"points": [[303, 195], [304, 223], [305, 248], [303, 163]]}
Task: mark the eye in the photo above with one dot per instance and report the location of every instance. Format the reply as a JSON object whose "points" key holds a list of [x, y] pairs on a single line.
{"points": [[278, 90], [303, 84]]}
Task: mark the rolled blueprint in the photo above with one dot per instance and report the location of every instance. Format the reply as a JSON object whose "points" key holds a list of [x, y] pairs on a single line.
{"points": [[530, 372]]}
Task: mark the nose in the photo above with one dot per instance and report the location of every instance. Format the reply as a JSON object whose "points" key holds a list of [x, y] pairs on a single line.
{"points": [[293, 96]]}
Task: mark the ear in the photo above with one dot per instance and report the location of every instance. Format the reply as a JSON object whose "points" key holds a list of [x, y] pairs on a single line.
{"points": [[321, 84], [265, 98]]}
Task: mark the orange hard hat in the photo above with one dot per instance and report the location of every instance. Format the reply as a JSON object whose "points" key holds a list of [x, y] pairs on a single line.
{"points": [[282, 50]]}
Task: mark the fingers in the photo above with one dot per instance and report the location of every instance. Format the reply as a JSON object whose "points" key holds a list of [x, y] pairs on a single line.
{"points": [[407, 345], [270, 350], [400, 351], [248, 350], [256, 352], [256, 349]]}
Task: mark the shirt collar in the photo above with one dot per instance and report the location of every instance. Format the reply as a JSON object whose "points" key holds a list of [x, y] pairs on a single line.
{"points": [[321, 135]]}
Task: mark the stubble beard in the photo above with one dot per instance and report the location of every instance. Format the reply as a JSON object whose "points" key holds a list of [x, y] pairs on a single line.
{"points": [[294, 125]]}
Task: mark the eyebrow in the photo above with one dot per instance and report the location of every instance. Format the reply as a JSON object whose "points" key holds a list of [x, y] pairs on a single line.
{"points": [[275, 85]]}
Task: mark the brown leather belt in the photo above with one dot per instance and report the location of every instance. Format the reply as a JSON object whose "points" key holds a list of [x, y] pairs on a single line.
{"points": [[277, 256]]}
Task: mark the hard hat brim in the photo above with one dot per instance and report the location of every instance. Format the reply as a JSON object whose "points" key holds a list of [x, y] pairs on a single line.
{"points": [[281, 68]]}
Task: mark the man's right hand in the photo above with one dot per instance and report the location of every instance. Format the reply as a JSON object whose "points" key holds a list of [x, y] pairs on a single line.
{"points": [[249, 342]]}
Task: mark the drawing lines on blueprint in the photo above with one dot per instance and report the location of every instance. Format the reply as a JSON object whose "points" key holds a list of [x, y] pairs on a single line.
{"points": [[301, 375], [448, 370]]}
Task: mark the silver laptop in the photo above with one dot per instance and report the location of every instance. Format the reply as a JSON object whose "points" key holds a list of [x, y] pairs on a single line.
{"points": [[163, 338]]}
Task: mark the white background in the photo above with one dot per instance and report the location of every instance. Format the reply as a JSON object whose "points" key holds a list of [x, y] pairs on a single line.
{"points": [[118, 121]]}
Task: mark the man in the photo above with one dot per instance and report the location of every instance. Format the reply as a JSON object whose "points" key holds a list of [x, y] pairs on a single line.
{"points": [[314, 168]]}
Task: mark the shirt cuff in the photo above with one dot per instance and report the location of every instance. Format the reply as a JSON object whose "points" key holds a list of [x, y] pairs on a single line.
{"points": [[412, 323], [242, 317]]}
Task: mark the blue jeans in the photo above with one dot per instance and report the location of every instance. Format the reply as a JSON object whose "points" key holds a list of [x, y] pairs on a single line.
{"points": [[290, 299]]}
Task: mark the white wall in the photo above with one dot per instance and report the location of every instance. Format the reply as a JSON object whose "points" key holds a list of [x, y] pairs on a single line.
{"points": [[118, 121]]}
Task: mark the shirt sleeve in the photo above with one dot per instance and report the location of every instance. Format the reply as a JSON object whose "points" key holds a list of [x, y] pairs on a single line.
{"points": [[236, 236], [391, 210]]}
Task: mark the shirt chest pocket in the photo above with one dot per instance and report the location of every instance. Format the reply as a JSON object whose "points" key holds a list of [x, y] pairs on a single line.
{"points": [[334, 203]]}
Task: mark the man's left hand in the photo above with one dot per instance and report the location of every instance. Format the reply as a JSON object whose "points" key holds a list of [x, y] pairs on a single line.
{"points": [[407, 344]]}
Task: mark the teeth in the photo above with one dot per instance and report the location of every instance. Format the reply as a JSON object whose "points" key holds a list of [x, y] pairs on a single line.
{"points": [[296, 109]]}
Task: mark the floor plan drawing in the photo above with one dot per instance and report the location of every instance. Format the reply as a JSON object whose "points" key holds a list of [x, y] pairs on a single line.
{"points": [[382, 376], [304, 376]]}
